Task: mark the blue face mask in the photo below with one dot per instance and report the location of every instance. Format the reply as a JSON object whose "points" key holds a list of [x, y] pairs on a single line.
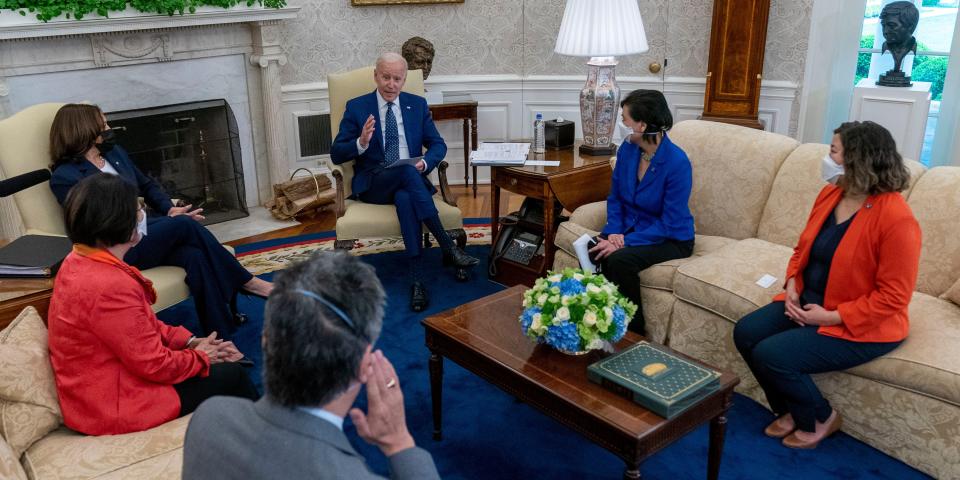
{"points": [[830, 172]]}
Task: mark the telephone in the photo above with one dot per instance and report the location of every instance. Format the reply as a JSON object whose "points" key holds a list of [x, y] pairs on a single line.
{"points": [[521, 234]]}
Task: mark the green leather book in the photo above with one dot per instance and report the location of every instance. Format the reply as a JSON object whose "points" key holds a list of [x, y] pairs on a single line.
{"points": [[652, 376]]}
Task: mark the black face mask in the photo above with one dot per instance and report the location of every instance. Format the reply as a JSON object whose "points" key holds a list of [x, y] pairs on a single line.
{"points": [[109, 141]]}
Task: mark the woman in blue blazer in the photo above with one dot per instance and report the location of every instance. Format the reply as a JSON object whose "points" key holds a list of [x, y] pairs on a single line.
{"points": [[648, 220], [81, 145]]}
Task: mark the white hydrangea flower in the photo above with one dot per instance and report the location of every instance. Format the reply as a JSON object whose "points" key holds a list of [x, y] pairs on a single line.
{"points": [[542, 298], [535, 325], [607, 312], [591, 288], [608, 288], [554, 299], [578, 276], [590, 318], [562, 314], [555, 277]]}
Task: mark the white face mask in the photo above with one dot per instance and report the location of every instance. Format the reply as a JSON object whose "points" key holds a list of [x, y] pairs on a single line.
{"points": [[830, 172], [625, 131], [142, 226]]}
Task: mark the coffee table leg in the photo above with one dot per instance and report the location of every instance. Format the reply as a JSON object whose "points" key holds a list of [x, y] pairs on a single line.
{"points": [[436, 391], [718, 429], [632, 472]]}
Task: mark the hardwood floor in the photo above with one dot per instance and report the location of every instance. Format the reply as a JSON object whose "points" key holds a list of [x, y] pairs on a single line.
{"points": [[326, 221]]}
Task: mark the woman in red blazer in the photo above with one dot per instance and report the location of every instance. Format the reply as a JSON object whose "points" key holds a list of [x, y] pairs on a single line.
{"points": [[118, 369], [849, 283]]}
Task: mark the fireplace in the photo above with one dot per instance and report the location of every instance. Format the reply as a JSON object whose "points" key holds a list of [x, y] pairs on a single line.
{"points": [[192, 150]]}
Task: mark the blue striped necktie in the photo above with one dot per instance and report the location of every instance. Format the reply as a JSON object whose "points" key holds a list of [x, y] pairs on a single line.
{"points": [[392, 140]]}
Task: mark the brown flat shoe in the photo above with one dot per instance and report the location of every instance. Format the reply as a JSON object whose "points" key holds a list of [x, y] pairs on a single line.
{"points": [[792, 441], [777, 430]]}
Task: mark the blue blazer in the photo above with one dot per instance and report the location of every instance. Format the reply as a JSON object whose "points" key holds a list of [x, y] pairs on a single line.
{"points": [[68, 174], [655, 209], [418, 127]]}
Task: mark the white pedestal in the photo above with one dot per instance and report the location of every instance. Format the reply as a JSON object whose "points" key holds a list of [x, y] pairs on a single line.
{"points": [[903, 111]]}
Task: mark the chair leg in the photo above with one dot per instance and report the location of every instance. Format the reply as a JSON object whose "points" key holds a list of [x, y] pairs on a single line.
{"points": [[459, 236], [344, 244]]}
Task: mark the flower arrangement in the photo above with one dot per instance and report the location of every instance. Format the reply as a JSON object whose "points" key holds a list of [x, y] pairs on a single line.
{"points": [[574, 311]]}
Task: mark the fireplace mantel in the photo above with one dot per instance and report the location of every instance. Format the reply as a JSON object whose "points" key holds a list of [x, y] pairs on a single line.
{"points": [[14, 26], [68, 60]]}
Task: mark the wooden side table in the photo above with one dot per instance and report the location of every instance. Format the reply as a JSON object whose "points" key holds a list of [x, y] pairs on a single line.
{"points": [[466, 111], [578, 180], [19, 293]]}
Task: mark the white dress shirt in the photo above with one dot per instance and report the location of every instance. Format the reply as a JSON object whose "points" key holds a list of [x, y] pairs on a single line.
{"points": [[107, 168], [382, 110], [325, 415]]}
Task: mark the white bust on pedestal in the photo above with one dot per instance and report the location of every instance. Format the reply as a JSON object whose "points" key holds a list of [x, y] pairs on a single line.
{"points": [[901, 110]]}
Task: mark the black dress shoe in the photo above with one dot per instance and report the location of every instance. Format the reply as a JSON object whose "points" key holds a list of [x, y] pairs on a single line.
{"points": [[458, 258], [418, 297]]}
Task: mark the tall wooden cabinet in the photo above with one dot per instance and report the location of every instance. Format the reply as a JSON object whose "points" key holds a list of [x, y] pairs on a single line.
{"points": [[735, 66]]}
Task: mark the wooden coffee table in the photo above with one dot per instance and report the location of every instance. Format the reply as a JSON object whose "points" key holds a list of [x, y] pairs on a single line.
{"points": [[484, 337]]}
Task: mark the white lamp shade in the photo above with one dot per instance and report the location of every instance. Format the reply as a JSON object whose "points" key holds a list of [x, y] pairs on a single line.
{"points": [[601, 28]]}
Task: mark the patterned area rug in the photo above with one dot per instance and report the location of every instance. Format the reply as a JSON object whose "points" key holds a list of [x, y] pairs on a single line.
{"points": [[272, 255]]}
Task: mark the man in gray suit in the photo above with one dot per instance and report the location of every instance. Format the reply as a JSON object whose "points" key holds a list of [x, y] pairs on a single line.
{"points": [[321, 320]]}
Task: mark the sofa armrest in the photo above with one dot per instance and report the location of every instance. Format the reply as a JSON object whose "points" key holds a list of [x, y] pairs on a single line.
{"points": [[592, 216], [340, 200]]}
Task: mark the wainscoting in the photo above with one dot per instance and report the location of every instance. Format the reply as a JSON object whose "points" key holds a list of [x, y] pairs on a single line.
{"points": [[509, 103]]}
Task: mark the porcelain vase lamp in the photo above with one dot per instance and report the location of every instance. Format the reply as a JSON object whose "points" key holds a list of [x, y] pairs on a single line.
{"points": [[601, 30]]}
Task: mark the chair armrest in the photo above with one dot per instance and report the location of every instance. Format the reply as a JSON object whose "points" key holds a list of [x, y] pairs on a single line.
{"points": [[445, 192], [340, 201]]}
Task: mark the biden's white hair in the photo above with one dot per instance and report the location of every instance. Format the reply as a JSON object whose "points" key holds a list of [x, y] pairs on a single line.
{"points": [[391, 57]]}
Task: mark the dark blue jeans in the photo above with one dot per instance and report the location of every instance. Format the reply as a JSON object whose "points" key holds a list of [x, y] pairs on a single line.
{"points": [[782, 355]]}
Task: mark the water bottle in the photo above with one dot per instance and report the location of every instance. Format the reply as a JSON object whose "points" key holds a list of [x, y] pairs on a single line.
{"points": [[538, 137]]}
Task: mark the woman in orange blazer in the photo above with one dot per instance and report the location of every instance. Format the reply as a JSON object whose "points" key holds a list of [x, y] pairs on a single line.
{"points": [[118, 369], [849, 283]]}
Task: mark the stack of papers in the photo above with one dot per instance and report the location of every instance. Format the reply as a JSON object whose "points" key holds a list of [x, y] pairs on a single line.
{"points": [[496, 154]]}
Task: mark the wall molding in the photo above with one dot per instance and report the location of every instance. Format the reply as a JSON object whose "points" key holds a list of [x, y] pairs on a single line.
{"points": [[508, 103]]}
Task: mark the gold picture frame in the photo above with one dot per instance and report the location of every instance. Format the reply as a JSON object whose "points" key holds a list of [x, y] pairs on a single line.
{"points": [[367, 3]]}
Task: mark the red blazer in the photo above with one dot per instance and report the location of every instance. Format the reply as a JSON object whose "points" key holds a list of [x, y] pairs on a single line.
{"points": [[874, 270], [115, 363]]}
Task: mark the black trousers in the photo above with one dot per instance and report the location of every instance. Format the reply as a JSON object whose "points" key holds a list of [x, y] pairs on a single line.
{"points": [[782, 355], [623, 266], [213, 274], [225, 379]]}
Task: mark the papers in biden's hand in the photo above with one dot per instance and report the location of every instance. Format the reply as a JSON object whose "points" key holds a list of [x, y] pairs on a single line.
{"points": [[500, 154], [581, 246], [406, 161]]}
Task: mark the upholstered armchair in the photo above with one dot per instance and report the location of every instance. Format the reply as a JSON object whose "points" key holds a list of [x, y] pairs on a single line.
{"points": [[25, 147], [356, 219]]}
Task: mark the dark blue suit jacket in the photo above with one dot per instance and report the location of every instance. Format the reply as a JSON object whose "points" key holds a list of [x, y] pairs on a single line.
{"points": [[419, 130], [68, 174], [656, 209]]}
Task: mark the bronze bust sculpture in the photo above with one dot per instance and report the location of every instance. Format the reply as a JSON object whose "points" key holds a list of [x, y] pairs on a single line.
{"points": [[419, 53], [899, 21]]}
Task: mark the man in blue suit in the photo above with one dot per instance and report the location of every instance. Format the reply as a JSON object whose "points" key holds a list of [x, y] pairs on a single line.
{"points": [[378, 131]]}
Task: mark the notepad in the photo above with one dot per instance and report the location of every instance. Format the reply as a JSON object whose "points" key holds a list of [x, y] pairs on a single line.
{"points": [[34, 256]]}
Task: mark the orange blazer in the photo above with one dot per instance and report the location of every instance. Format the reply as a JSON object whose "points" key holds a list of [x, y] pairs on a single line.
{"points": [[874, 270], [114, 362]]}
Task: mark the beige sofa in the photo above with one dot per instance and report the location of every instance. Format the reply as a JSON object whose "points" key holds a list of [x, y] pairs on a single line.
{"points": [[752, 192], [35, 445]]}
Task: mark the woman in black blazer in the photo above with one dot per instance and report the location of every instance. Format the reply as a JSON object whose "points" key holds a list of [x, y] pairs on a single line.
{"points": [[81, 144]]}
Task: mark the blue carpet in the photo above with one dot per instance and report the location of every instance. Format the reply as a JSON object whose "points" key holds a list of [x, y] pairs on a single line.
{"points": [[489, 435]]}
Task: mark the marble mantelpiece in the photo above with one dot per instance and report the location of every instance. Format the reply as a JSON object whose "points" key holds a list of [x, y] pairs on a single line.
{"points": [[113, 61]]}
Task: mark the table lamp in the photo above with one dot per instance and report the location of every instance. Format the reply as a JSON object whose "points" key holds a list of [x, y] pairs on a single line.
{"points": [[601, 30]]}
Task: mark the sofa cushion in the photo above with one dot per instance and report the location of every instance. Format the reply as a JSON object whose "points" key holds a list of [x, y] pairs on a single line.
{"points": [[733, 171], [953, 294], [928, 361], [65, 454], [660, 276], [724, 282], [794, 190], [569, 232], [29, 408], [10, 467], [935, 201]]}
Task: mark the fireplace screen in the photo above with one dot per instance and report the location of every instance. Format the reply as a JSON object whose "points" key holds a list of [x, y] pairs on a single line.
{"points": [[192, 150]]}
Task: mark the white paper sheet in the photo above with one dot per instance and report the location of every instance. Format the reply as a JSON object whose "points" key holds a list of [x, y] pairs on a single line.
{"points": [[580, 246], [542, 163]]}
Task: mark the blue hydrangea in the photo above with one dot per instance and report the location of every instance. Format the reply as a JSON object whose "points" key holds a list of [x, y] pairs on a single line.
{"points": [[527, 318], [563, 336], [570, 286], [619, 322]]}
